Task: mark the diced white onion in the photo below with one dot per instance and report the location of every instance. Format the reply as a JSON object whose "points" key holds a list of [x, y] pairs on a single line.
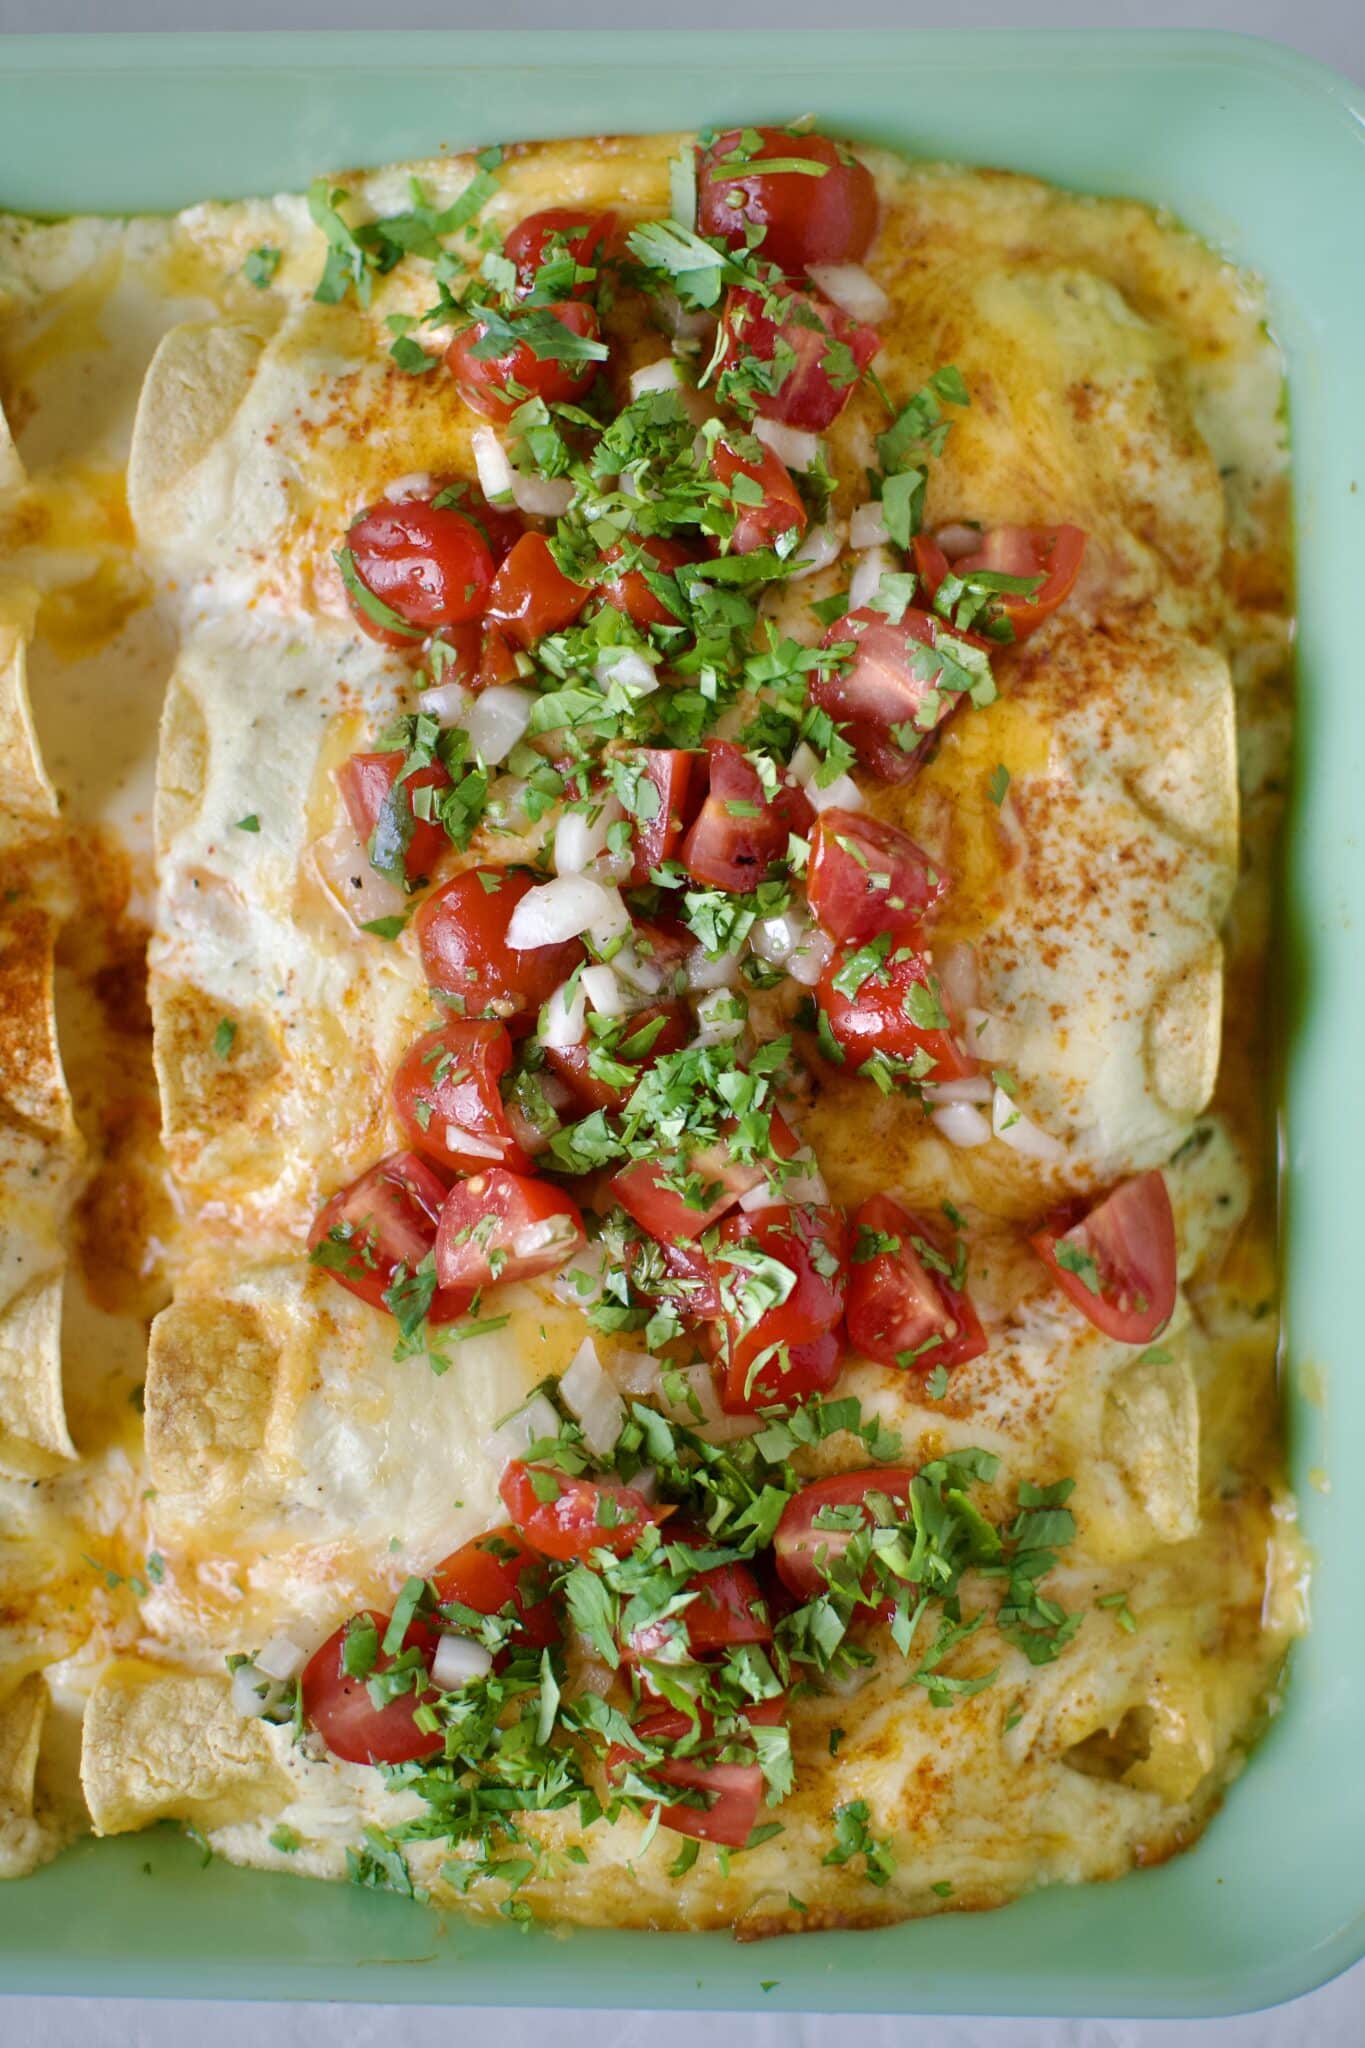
{"points": [[704, 972], [635, 1373], [646, 1483], [810, 959], [460, 1140], [636, 971], [677, 320], [808, 1186], [962, 1124], [866, 580], [457, 1660], [494, 468], [792, 445], [564, 1018], [975, 1088], [342, 865], [626, 668], [447, 703], [526, 1426], [499, 718], [721, 1016], [867, 527], [764, 1196], [957, 541], [773, 938], [959, 976], [564, 909], [417, 484], [281, 1658], [820, 546], [542, 497], [664, 375], [603, 991], [804, 763], [979, 1026], [700, 1389], [506, 806], [581, 836], [1020, 1132], [250, 1692], [582, 1281], [849, 287], [587, 1393], [538, 1237], [842, 794]]}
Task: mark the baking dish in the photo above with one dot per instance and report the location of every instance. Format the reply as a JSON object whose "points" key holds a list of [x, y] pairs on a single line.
{"points": [[1264, 154]]}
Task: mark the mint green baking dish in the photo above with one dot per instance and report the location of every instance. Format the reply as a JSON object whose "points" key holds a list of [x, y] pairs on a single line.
{"points": [[1264, 154]]}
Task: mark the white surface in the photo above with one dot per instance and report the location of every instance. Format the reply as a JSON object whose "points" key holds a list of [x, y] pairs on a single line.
{"points": [[1334, 32]]}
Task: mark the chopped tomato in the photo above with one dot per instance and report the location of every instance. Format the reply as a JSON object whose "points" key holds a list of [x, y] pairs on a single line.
{"points": [[531, 596], [428, 563], [497, 660], [569, 1518], [816, 1527], [447, 1101], [499, 1226], [865, 877], [1117, 1259], [559, 236], [886, 692], [648, 1035], [1051, 553], [496, 385], [764, 1348], [665, 943], [759, 522], [677, 778], [462, 933], [500, 1570], [501, 525], [817, 350], [897, 1007], [740, 832], [340, 1708], [903, 1308], [728, 1608], [823, 209], [383, 1223], [733, 1791], [631, 593], [678, 1275], [366, 783], [712, 1176]]}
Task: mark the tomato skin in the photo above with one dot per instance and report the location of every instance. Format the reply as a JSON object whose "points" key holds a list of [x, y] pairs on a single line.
{"points": [[807, 219], [690, 1282], [898, 1304], [865, 877], [531, 596], [663, 1214], [341, 1710], [722, 1614], [462, 935], [1130, 1235], [737, 1788], [470, 1057], [1053, 552], [392, 1212], [365, 781], [875, 1019], [429, 564], [677, 776], [567, 1528], [630, 593], [488, 1214], [781, 511], [572, 1064], [811, 1243], [798, 1543], [483, 382], [802, 326], [590, 238], [497, 1570], [739, 833], [877, 689]]}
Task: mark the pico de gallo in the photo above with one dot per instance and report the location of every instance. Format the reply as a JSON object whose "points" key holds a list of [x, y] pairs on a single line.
{"points": [[702, 917]]}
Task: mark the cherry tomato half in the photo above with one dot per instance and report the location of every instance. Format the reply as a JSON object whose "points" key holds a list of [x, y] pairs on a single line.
{"points": [[630, 593], [531, 596], [385, 1220], [428, 563], [677, 777], [813, 1532], [366, 782], [496, 1571], [560, 236], [809, 215], [895, 1009], [740, 833], [499, 1226], [648, 1035], [494, 386], [734, 1791], [645, 1191], [761, 1345], [727, 1608], [462, 934], [886, 692], [1116, 1260], [1053, 553], [821, 353], [569, 1518], [759, 523], [865, 877], [340, 1708], [903, 1309], [446, 1098]]}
